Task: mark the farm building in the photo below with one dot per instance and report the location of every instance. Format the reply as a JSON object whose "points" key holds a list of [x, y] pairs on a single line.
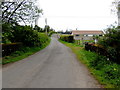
{"points": [[86, 34]]}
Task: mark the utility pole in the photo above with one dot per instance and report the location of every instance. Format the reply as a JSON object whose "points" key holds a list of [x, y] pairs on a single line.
{"points": [[119, 13], [46, 25], [36, 21]]}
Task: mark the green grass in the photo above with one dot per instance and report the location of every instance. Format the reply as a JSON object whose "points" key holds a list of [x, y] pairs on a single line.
{"points": [[105, 71], [80, 42], [23, 53]]}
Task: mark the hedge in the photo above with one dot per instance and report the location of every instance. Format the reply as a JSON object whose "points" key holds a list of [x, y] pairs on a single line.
{"points": [[7, 49], [67, 38], [110, 53]]}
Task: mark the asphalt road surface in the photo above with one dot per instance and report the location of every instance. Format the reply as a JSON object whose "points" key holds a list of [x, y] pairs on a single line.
{"points": [[53, 67]]}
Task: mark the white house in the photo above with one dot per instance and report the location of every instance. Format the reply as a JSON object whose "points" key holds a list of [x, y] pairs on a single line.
{"points": [[86, 34]]}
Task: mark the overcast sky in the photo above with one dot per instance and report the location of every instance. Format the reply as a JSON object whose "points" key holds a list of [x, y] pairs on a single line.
{"points": [[80, 14]]}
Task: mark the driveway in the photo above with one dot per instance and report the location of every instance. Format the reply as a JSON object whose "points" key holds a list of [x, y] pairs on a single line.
{"points": [[53, 67]]}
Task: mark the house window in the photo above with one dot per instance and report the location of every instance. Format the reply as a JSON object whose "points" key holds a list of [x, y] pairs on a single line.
{"points": [[77, 35]]}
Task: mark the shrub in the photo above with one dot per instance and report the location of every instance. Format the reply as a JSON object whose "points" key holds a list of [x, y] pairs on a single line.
{"points": [[27, 36], [6, 32], [99, 62], [112, 54], [111, 41], [109, 52], [67, 38], [110, 70], [24, 34], [7, 49]]}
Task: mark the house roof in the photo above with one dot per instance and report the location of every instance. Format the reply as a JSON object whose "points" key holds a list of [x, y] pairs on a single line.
{"points": [[87, 32]]}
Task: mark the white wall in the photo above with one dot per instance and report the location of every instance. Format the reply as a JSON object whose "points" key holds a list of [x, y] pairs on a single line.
{"points": [[84, 37]]}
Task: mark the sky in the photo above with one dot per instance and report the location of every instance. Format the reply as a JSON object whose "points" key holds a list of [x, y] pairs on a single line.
{"points": [[76, 14]]}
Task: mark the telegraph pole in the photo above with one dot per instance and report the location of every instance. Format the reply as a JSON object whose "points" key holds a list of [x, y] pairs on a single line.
{"points": [[119, 13], [36, 21], [46, 25]]}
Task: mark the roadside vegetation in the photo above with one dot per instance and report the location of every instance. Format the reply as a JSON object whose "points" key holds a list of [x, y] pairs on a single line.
{"points": [[20, 37], [31, 41], [22, 53], [105, 69]]}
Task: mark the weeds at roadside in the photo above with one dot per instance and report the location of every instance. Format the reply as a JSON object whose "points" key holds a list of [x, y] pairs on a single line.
{"points": [[22, 53], [105, 71]]}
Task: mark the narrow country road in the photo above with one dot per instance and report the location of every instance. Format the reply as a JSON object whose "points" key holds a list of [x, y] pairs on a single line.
{"points": [[53, 67]]}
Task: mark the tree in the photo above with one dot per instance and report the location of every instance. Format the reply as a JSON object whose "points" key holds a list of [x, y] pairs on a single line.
{"points": [[39, 29], [19, 11], [115, 5]]}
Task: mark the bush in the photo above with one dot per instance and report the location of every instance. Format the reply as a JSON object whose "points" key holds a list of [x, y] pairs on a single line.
{"points": [[7, 49], [112, 54], [99, 62], [67, 38], [6, 33], [111, 41], [24, 34], [109, 69], [27, 36], [109, 52]]}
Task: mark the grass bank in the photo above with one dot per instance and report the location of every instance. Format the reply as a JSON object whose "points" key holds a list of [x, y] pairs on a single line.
{"points": [[23, 53], [105, 71]]}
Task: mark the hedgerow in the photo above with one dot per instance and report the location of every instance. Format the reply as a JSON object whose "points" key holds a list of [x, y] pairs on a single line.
{"points": [[106, 72], [109, 45], [107, 62], [67, 38], [23, 34]]}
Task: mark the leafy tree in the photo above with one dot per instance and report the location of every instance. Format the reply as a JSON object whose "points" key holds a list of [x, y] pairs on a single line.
{"points": [[20, 11], [38, 28], [6, 32], [116, 7]]}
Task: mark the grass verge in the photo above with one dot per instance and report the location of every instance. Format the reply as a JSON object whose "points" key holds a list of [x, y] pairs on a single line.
{"points": [[23, 53], [105, 71]]}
